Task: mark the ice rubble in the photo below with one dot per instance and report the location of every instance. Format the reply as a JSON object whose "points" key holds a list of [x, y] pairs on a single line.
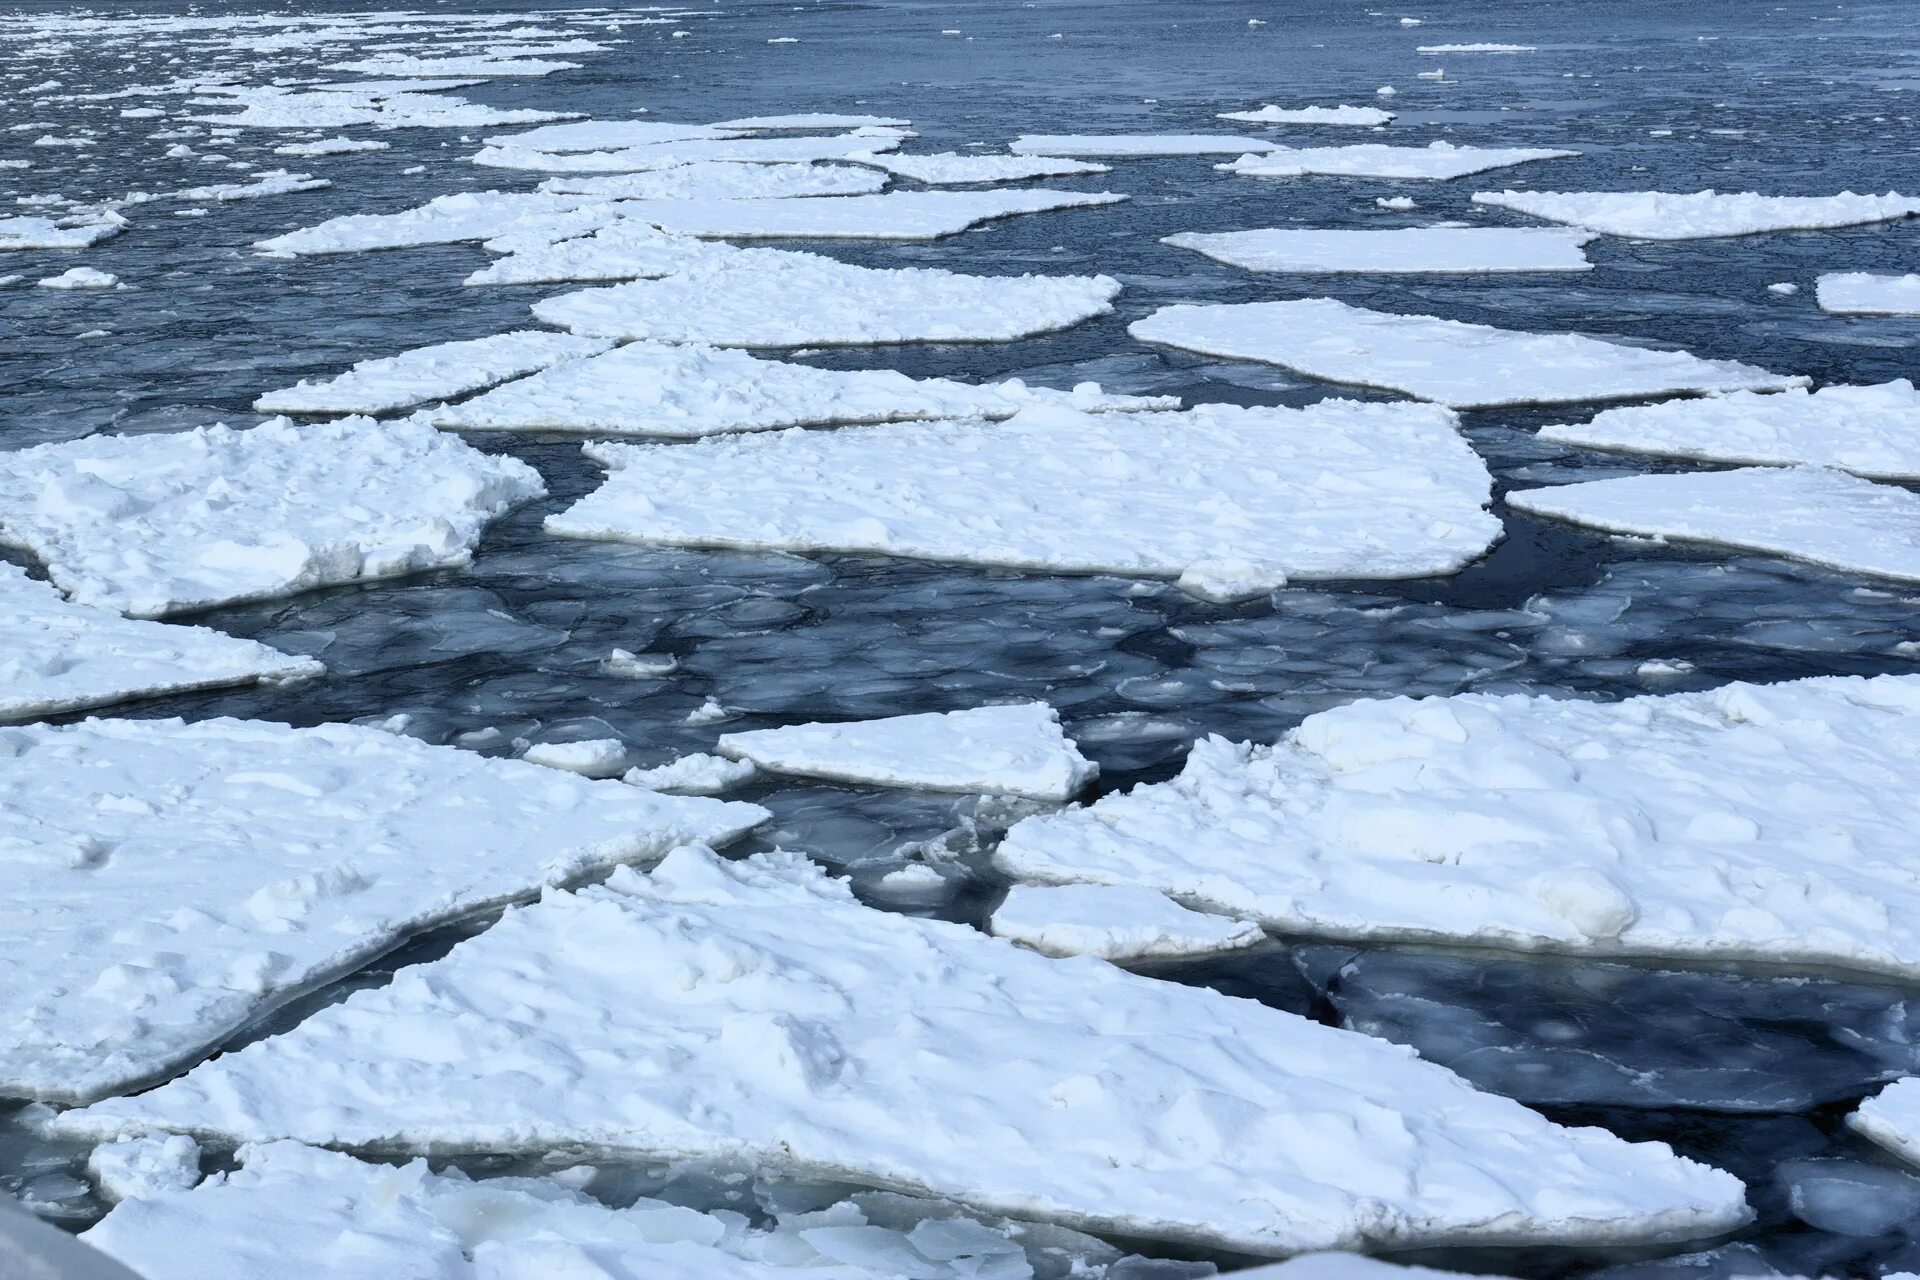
{"points": [[745, 299], [1870, 431], [1271, 114], [1438, 250], [1660, 215], [1016, 750], [1137, 144], [895, 215], [754, 1012], [57, 657], [173, 881], [1805, 513], [1114, 922], [1861, 293], [158, 524], [1468, 366], [438, 372], [949, 168], [137, 1168], [59, 233], [470, 215], [724, 180], [1378, 160], [1891, 1118], [669, 155], [1232, 501], [652, 389], [698, 774], [1752, 821], [627, 249]]}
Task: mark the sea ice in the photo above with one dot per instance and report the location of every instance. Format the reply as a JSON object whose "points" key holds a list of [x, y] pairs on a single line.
{"points": [[607, 135], [628, 249], [1891, 1118], [59, 233], [1271, 114], [484, 65], [1861, 293], [438, 372], [698, 774], [598, 758], [1378, 160], [895, 215], [136, 1168], [951, 168], [1114, 922], [330, 147], [1475, 48], [724, 180], [670, 155], [1660, 215], [268, 182], [1436, 250], [80, 278], [1137, 144], [814, 120], [470, 215], [336, 107]]}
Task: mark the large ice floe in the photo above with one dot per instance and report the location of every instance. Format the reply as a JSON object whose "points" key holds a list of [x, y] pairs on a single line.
{"points": [[725, 180], [1232, 501], [1699, 215], [1016, 750], [895, 215], [626, 249], [56, 656], [73, 232], [745, 299], [814, 120], [157, 524], [950, 168], [386, 107], [534, 216], [608, 135], [670, 155], [1435, 250], [1761, 822], [1468, 366], [1122, 145], [1861, 293], [170, 882], [1378, 160], [1805, 513], [1891, 1118], [1114, 922], [1870, 431], [1345, 115], [438, 372], [753, 1012]]}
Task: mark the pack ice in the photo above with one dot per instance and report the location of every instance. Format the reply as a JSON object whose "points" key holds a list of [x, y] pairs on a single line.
{"points": [[1761, 822], [157, 524], [1861, 293], [1699, 215], [724, 180], [1114, 922], [1378, 160], [895, 215], [1137, 144], [174, 881], [438, 372], [1232, 501], [1436, 250], [1891, 1118], [1271, 114], [1468, 366], [755, 1014], [950, 168]]}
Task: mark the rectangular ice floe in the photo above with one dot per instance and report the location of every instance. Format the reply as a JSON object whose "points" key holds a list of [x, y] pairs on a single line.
{"points": [[1345, 115], [1232, 501], [1114, 922], [157, 524], [1468, 366], [1137, 144], [470, 215], [1761, 822], [439, 372], [1891, 1118], [724, 180], [683, 392], [169, 882], [669, 155], [951, 168], [753, 1013], [627, 249], [896, 215], [1435, 250], [1699, 215], [1803, 513], [1861, 293], [1378, 160]]}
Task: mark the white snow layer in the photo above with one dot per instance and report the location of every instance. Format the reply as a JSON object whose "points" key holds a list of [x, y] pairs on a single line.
{"points": [[1114, 922], [814, 120], [80, 278], [894, 215], [607, 135], [1232, 501], [271, 182], [136, 1168], [1378, 160], [156, 524], [724, 180], [1468, 366], [1891, 1118], [470, 215], [437, 372], [698, 774], [1137, 144], [624, 250], [951, 168], [168, 882], [1861, 293], [670, 155], [1271, 114], [58, 233], [1438, 250], [753, 1012], [1660, 215]]}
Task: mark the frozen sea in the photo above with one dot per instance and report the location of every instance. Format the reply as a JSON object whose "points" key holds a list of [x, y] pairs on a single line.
{"points": [[1748, 1070]]}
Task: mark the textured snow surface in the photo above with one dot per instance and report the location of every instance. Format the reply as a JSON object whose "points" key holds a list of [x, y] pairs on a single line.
{"points": [[950, 168], [748, 299], [157, 524], [1892, 1118], [623, 250], [1233, 501], [1861, 293], [1805, 513], [894, 215], [1660, 215], [149, 1166], [1137, 144], [1439, 250], [651, 389], [670, 155], [1758, 821], [1464, 365], [1271, 114], [721, 180], [1016, 750], [1378, 160], [1114, 922], [754, 1012], [470, 215], [58, 233], [168, 881], [1870, 431], [438, 372]]}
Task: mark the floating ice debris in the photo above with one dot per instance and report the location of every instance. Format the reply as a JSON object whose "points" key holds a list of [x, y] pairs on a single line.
{"points": [[400, 64], [1754, 821], [1232, 501], [1476, 48], [1137, 144], [755, 1013], [698, 774], [896, 215], [269, 182], [139, 1168], [628, 249], [669, 155], [471, 215], [330, 147], [1114, 922], [599, 758], [59, 233], [1436, 250], [954, 169], [328, 107], [1660, 215], [687, 391], [640, 666], [1861, 293], [172, 881], [158, 524], [80, 278], [1271, 114], [724, 180], [1378, 160], [438, 372], [607, 135], [745, 299], [1803, 513], [1891, 1118], [1468, 366], [1870, 431], [814, 120]]}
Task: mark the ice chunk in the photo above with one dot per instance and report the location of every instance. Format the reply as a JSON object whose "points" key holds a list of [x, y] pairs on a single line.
{"points": [[1892, 1118], [670, 155], [1137, 144], [607, 135], [59, 233], [1438, 250], [438, 372], [158, 524], [1468, 366], [698, 774], [1660, 215], [1114, 922], [267, 182], [814, 120], [80, 278], [330, 147], [895, 215], [598, 758], [1861, 293], [470, 215], [1475, 48], [169, 882], [404, 64], [725, 180], [1378, 160], [138, 1168], [1271, 114], [754, 1012], [951, 168], [342, 106], [625, 250]]}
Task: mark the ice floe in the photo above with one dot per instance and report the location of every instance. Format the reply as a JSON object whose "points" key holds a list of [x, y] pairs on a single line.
{"points": [[137, 1168], [1861, 293], [669, 155], [814, 120], [1699, 215], [607, 135], [754, 1012], [1436, 250], [628, 249], [471, 215], [276, 107], [1891, 1118], [483, 65], [438, 372], [1475, 48], [1137, 144], [1114, 922], [1467, 366], [895, 215], [698, 774], [597, 758], [1345, 115], [80, 278], [268, 182], [172, 881], [1378, 160], [951, 168], [330, 147], [76, 232], [724, 180]]}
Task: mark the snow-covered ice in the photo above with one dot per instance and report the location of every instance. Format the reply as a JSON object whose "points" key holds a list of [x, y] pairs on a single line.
{"points": [[669, 155], [136, 1168], [339, 107], [1137, 144], [1862, 293], [1344, 115], [1699, 215], [330, 147], [77, 232], [1378, 160], [1891, 1118], [438, 372], [1437, 250], [1474, 48], [169, 882], [950, 168], [754, 1012], [484, 65], [1114, 922], [1468, 366], [698, 774], [267, 182], [725, 180], [814, 120], [894, 215], [80, 278], [596, 758], [628, 249], [607, 135], [469, 215]]}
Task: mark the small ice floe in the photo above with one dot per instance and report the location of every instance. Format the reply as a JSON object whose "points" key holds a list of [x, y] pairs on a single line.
{"points": [[1700, 215], [538, 216], [755, 1012], [81, 278], [58, 657], [141, 1168], [1378, 160], [598, 758], [1343, 115], [725, 180], [950, 168], [687, 391], [1468, 366], [698, 774], [628, 249], [1870, 431], [1785, 289], [1231, 501], [1114, 922], [1016, 750], [1759, 822], [639, 666], [1475, 48], [1399, 204], [59, 233], [483, 65], [1433, 250], [330, 147], [157, 524], [813, 120], [670, 155], [438, 372], [1891, 1118], [1861, 293], [172, 881], [607, 135], [895, 215], [337, 107], [746, 299], [1121, 145], [269, 182], [1804, 513]]}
